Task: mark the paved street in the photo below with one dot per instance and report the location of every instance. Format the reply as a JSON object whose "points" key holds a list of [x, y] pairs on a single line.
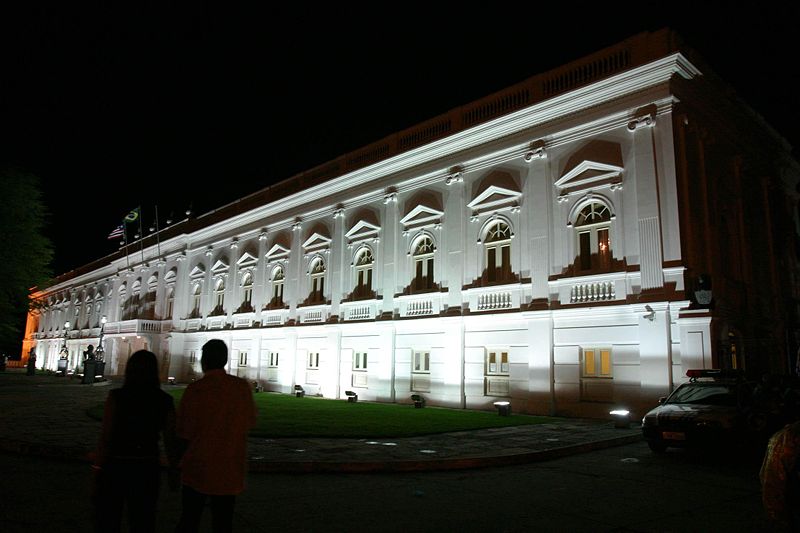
{"points": [[625, 488], [572, 476]]}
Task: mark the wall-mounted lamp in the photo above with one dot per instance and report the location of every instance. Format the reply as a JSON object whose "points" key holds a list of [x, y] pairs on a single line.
{"points": [[650, 315]]}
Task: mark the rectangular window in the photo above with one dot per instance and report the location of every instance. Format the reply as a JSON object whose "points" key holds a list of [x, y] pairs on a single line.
{"points": [[491, 264], [422, 362], [497, 363], [192, 356], [313, 360], [597, 363], [273, 359], [242, 358], [170, 305], [505, 266], [248, 295], [360, 361]]}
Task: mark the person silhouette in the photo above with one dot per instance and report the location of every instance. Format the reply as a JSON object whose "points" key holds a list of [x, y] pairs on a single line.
{"points": [[214, 416], [127, 463]]}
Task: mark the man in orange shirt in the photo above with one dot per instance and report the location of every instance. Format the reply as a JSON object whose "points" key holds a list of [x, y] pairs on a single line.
{"points": [[214, 417]]}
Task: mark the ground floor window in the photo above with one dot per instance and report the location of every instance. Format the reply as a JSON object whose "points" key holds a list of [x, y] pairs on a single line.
{"points": [[421, 371], [273, 359], [242, 358], [313, 361], [497, 362], [360, 361], [596, 363]]}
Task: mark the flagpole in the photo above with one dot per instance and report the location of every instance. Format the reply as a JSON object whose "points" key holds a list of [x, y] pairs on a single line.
{"points": [[141, 235], [158, 238], [125, 236]]}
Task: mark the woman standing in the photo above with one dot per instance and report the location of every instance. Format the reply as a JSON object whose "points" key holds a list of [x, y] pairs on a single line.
{"points": [[128, 457]]}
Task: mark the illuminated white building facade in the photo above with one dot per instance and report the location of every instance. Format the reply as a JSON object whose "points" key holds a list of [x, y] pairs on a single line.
{"points": [[535, 256]]}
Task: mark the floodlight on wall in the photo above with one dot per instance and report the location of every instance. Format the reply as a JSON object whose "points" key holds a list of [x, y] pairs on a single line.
{"points": [[650, 315], [503, 408], [352, 397], [171, 380], [622, 418]]}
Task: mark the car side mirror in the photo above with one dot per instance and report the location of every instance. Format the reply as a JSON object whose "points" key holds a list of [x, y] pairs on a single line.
{"points": [[662, 399]]}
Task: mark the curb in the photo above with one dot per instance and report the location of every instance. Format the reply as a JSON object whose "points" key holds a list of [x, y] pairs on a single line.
{"points": [[436, 465], [353, 467]]}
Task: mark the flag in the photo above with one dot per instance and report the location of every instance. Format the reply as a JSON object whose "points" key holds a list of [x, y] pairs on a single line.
{"points": [[118, 232], [133, 216]]}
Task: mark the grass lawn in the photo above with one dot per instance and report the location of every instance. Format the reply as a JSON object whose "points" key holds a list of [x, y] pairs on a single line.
{"points": [[284, 415]]}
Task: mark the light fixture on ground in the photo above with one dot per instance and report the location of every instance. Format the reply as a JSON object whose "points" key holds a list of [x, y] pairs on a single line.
{"points": [[352, 397], [299, 392], [622, 418], [419, 401], [503, 408]]}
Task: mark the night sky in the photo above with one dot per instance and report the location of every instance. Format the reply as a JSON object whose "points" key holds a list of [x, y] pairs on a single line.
{"points": [[187, 105]]}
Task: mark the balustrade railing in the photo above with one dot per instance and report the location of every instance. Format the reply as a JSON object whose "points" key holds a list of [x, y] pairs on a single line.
{"points": [[592, 292], [494, 300]]}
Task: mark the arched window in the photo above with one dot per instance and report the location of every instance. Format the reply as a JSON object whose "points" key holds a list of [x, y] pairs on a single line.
{"points": [[247, 291], [247, 288], [363, 264], [593, 230], [423, 264], [317, 273], [170, 302], [196, 292], [277, 286], [498, 252], [219, 295]]}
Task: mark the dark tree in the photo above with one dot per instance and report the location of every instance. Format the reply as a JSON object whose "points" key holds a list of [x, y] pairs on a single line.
{"points": [[26, 252]]}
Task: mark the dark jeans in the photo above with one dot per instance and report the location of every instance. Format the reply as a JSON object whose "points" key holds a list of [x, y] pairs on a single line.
{"points": [[193, 503], [132, 485]]}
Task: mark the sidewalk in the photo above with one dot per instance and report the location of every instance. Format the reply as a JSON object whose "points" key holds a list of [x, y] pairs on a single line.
{"points": [[46, 416]]}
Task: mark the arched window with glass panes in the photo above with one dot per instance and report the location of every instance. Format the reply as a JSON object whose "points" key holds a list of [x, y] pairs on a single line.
{"points": [[363, 265], [593, 233], [247, 292], [317, 280], [196, 293], [497, 252], [277, 281], [219, 297], [423, 264]]}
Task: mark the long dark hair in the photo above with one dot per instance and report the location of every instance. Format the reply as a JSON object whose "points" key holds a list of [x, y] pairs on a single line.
{"points": [[142, 370]]}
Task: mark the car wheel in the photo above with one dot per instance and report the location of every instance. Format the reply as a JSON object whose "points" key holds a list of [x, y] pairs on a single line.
{"points": [[657, 446]]}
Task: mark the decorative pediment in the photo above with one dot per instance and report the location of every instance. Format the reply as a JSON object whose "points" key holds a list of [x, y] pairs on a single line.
{"points": [[494, 197], [362, 230], [197, 271], [246, 260], [422, 215], [170, 276], [219, 266], [588, 174], [277, 251], [316, 241]]}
